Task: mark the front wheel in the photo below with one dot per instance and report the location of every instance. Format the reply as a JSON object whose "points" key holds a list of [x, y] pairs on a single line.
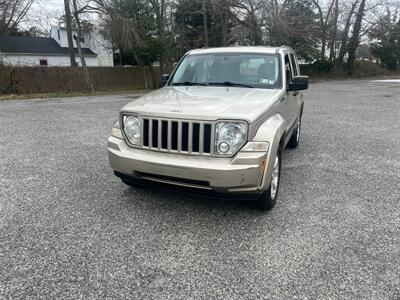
{"points": [[268, 199]]}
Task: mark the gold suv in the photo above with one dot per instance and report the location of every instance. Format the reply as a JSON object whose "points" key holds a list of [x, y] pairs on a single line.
{"points": [[219, 124]]}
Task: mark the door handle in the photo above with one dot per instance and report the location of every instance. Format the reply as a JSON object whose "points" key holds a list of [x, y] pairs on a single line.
{"points": [[282, 99], [296, 93]]}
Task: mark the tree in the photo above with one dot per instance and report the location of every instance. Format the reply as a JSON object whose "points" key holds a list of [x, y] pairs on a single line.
{"points": [[160, 10], [223, 21], [78, 43], [324, 23], [300, 28], [248, 14], [12, 12], [31, 32], [386, 36], [345, 33], [202, 24], [131, 25], [334, 31], [355, 39]]}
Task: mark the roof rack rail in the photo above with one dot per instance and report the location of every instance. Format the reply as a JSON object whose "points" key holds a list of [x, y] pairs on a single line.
{"points": [[282, 47]]}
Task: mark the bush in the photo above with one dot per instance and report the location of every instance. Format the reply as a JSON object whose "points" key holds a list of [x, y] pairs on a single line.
{"points": [[323, 66], [8, 84], [328, 70], [368, 69]]}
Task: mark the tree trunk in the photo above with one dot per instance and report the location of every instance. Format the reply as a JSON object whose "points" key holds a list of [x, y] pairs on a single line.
{"points": [[205, 24], [146, 83], [332, 52], [323, 24], [343, 46], [78, 43], [323, 47], [142, 67], [355, 39], [71, 50], [153, 79]]}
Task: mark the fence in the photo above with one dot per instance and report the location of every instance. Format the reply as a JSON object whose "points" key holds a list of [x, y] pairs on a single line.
{"points": [[36, 80]]}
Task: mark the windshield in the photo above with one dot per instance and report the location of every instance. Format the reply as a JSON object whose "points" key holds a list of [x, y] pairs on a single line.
{"points": [[229, 69]]}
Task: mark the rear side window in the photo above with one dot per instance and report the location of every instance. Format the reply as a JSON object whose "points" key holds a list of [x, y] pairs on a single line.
{"points": [[294, 65]]}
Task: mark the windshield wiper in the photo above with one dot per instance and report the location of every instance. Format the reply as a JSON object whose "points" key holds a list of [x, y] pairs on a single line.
{"points": [[228, 83], [189, 83]]}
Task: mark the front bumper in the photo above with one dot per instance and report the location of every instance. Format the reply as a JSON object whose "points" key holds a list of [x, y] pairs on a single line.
{"points": [[240, 174]]}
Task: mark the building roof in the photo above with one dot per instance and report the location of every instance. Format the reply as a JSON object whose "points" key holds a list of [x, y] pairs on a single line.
{"points": [[37, 45]]}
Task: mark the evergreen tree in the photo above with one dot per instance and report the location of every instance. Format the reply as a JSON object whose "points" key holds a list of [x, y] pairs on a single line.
{"points": [[299, 28], [386, 37]]}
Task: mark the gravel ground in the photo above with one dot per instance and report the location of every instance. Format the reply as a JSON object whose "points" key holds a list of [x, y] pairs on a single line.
{"points": [[70, 229]]}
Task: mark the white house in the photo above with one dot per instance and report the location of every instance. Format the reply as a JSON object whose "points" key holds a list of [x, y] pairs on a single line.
{"points": [[53, 50]]}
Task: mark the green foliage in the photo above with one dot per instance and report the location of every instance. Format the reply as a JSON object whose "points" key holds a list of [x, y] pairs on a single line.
{"points": [[132, 28], [152, 51], [387, 41], [300, 29], [190, 24], [323, 66]]}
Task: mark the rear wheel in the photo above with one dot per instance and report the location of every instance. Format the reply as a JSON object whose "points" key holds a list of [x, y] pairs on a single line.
{"points": [[295, 138], [268, 199]]}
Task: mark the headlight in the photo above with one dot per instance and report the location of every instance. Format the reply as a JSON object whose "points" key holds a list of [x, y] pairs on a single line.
{"points": [[116, 131], [131, 124], [230, 137]]}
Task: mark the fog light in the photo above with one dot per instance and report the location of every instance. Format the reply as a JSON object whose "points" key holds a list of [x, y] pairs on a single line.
{"points": [[223, 147]]}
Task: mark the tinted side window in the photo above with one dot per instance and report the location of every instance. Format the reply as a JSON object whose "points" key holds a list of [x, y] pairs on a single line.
{"points": [[294, 65], [288, 69]]}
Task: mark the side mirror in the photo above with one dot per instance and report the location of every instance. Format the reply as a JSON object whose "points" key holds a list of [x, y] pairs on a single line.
{"points": [[164, 79], [299, 83]]}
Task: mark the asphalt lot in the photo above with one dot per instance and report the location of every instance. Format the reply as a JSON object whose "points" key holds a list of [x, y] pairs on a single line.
{"points": [[70, 229]]}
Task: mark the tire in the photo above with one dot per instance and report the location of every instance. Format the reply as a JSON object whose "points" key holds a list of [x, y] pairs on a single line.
{"points": [[127, 180], [295, 138], [268, 199], [129, 183]]}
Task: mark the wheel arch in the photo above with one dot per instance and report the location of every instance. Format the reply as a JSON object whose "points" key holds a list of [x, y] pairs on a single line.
{"points": [[274, 132]]}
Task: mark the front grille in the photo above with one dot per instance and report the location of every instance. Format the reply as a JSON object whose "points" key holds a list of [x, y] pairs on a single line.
{"points": [[180, 136]]}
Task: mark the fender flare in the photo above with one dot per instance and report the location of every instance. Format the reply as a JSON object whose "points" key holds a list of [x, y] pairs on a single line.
{"points": [[272, 131]]}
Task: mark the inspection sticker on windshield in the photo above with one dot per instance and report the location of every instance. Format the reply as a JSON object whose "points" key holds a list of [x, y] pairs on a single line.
{"points": [[266, 81]]}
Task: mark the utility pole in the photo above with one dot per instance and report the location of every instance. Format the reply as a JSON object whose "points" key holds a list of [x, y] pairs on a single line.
{"points": [[69, 33]]}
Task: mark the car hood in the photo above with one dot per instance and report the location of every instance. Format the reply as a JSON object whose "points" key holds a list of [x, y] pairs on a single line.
{"points": [[205, 103]]}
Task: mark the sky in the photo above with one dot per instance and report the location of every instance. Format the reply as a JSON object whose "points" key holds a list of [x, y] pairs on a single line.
{"points": [[55, 4], [43, 14]]}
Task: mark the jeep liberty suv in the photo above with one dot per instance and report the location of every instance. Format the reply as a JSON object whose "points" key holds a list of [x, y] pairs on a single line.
{"points": [[220, 124]]}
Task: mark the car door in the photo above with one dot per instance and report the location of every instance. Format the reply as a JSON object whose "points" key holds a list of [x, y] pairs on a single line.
{"points": [[291, 97], [296, 95]]}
